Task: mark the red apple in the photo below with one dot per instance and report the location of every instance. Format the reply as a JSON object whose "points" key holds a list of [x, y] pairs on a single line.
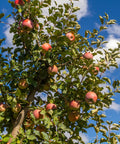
{"points": [[91, 97], [37, 114], [51, 106], [23, 84], [22, 29], [20, 2], [74, 105], [73, 116], [17, 108], [96, 70], [3, 107], [52, 69], [70, 36], [46, 46], [27, 23], [88, 55]]}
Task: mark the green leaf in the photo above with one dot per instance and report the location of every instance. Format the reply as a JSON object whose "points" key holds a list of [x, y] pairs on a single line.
{"points": [[103, 131], [63, 127], [28, 132], [75, 9], [101, 19], [114, 128], [5, 139], [31, 137], [106, 16], [102, 28], [107, 80], [2, 15], [1, 118], [111, 22], [94, 111], [8, 16], [45, 136], [103, 140]]}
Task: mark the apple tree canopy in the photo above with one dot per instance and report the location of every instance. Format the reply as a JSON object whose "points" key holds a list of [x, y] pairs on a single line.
{"points": [[50, 80]]}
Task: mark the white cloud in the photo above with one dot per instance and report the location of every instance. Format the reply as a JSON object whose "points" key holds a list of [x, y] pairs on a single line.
{"points": [[113, 38], [82, 135], [115, 107], [42, 95], [4, 10], [67, 134], [105, 90], [83, 4], [114, 30], [8, 35], [112, 44]]}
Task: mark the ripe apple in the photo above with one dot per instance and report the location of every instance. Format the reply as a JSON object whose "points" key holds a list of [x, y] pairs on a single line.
{"points": [[74, 105], [91, 97], [96, 70], [23, 84], [27, 23], [52, 69], [88, 55], [37, 114], [73, 116], [70, 36], [17, 108], [20, 2], [3, 107], [46, 46], [51, 106]]}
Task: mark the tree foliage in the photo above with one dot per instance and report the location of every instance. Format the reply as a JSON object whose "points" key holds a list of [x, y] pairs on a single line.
{"points": [[25, 78]]}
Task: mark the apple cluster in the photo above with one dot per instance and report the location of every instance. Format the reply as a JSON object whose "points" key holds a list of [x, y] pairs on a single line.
{"points": [[37, 114], [74, 106]]}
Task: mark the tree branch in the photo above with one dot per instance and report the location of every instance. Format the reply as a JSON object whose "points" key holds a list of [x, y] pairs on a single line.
{"points": [[21, 117]]}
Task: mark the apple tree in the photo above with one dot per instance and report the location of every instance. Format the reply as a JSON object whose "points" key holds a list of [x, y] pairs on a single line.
{"points": [[51, 84]]}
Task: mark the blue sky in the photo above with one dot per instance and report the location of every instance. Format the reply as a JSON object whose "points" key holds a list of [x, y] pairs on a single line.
{"points": [[88, 19]]}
